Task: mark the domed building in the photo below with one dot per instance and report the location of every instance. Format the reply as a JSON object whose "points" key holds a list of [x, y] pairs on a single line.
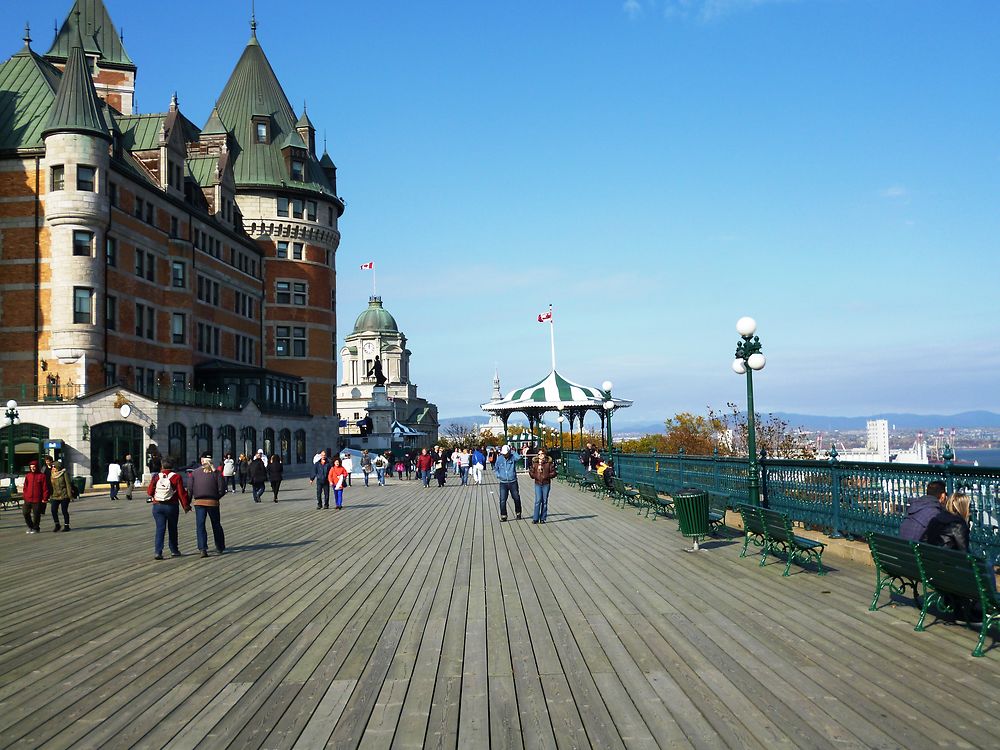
{"points": [[395, 415]]}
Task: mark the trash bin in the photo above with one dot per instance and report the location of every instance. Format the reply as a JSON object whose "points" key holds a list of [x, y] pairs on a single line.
{"points": [[79, 483], [692, 513]]}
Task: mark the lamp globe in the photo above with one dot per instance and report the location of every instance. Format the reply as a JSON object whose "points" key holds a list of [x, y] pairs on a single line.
{"points": [[756, 361], [746, 326], [739, 367]]}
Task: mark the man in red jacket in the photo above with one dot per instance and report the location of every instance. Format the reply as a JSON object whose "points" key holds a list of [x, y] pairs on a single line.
{"points": [[34, 496], [165, 491]]}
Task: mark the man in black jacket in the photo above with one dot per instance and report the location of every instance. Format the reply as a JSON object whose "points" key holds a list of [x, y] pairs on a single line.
{"points": [[128, 475], [922, 511]]}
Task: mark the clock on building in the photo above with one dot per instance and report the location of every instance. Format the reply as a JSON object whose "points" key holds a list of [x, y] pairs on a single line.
{"points": [[369, 347]]}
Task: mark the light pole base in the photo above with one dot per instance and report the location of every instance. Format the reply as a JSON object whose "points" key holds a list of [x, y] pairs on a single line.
{"points": [[695, 547]]}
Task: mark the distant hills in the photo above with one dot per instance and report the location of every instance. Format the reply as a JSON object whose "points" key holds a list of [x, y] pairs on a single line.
{"points": [[899, 421]]}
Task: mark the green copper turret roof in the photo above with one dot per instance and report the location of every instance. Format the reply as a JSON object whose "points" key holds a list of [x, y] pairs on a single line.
{"points": [[375, 318], [77, 108], [215, 125], [304, 121], [326, 162], [253, 90], [99, 35], [29, 83]]}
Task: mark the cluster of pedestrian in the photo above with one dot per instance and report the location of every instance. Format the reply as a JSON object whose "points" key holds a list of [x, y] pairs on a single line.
{"points": [[168, 494], [46, 484]]}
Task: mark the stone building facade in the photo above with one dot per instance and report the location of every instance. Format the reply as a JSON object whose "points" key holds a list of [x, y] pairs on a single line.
{"points": [[186, 272]]}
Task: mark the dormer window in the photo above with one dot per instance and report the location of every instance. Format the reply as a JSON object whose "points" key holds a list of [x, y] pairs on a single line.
{"points": [[298, 170], [261, 129]]}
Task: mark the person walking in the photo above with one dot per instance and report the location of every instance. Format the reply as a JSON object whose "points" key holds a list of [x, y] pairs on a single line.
{"points": [[206, 488], [543, 471], [409, 463], [229, 472], [258, 475], [506, 471], [476, 463], [61, 493], [154, 461], [167, 494], [381, 463], [129, 475], [347, 461], [114, 477], [321, 469], [400, 462], [366, 465], [34, 495], [440, 468], [464, 459], [275, 472], [337, 478], [424, 464], [243, 471]]}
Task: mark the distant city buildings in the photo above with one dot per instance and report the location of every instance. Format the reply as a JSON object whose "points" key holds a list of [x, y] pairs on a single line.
{"points": [[162, 284]]}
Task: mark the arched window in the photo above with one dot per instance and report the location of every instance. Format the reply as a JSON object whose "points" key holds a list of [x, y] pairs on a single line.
{"points": [[300, 446], [268, 442], [249, 441], [202, 440], [285, 445], [228, 435], [177, 444]]}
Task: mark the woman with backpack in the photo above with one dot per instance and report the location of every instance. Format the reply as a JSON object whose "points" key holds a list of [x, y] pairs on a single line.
{"points": [[275, 471], [166, 492], [381, 463]]}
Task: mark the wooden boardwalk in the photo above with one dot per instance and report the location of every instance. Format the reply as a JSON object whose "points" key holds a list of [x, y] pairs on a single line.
{"points": [[413, 618]]}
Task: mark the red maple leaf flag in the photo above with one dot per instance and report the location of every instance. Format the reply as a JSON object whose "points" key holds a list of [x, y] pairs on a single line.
{"points": [[545, 316], [369, 266]]}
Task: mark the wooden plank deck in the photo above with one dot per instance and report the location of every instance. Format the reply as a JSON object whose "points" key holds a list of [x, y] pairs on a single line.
{"points": [[414, 618]]}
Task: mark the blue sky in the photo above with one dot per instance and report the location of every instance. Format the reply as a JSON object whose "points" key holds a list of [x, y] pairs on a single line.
{"points": [[653, 169]]}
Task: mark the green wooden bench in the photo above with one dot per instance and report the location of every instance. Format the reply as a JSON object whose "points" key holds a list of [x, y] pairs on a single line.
{"points": [[754, 530], [653, 501], [797, 549], [717, 507], [623, 494], [6, 498], [955, 577], [897, 566]]}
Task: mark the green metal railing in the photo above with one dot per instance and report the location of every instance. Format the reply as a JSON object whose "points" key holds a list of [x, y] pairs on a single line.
{"points": [[843, 498]]}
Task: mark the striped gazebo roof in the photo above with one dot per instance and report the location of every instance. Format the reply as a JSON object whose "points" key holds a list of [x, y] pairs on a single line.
{"points": [[552, 392]]}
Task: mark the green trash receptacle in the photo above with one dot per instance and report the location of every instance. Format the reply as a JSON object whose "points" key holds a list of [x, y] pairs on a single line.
{"points": [[692, 513], [79, 483]]}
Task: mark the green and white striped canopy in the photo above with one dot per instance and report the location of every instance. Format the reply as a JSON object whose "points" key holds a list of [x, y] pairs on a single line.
{"points": [[553, 392]]}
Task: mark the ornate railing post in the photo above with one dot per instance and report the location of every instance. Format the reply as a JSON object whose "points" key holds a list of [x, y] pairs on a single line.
{"points": [[835, 494], [715, 470], [949, 456], [764, 501], [680, 467]]}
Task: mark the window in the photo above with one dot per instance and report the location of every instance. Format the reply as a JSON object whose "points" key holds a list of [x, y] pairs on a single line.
{"points": [[245, 349], [178, 274], [297, 251], [329, 215], [299, 293], [149, 213], [111, 313], [111, 251], [145, 321], [296, 208], [282, 341], [139, 206], [282, 206], [82, 299], [283, 292], [298, 171], [261, 132], [58, 181], [86, 178], [333, 346], [113, 194], [178, 328], [110, 373], [178, 379], [298, 342], [311, 210], [83, 242], [208, 339], [333, 299], [243, 305], [145, 264], [174, 227], [208, 290], [282, 251]]}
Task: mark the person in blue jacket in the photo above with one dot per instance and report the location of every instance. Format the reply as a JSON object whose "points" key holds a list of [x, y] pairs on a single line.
{"points": [[506, 471], [922, 511]]}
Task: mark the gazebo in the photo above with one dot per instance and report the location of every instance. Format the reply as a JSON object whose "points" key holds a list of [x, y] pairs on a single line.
{"points": [[556, 393]]}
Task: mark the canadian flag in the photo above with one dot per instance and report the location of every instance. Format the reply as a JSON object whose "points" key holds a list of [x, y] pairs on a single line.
{"points": [[369, 266], [545, 316]]}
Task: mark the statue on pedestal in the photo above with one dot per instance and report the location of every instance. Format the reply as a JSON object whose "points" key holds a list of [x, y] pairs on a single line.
{"points": [[376, 369]]}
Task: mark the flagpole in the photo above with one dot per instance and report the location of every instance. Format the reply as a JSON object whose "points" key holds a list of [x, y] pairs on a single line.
{"points": [[374, 293], [552, 337]]}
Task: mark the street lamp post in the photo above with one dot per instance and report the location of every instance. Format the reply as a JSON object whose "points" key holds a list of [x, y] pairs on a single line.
{"points": [[13, 418], [748, 359], [560, 420], [609, 406]]}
